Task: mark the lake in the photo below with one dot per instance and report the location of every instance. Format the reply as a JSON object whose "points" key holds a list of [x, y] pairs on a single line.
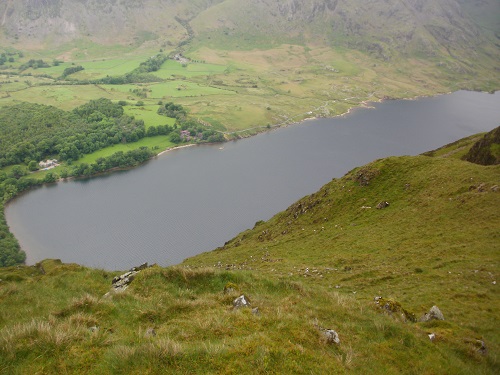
{"points": [[192, 200]]}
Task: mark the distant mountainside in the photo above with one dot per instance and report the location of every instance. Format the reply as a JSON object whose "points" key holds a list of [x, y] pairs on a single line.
{"points": [[428, 28], [382, 27]]}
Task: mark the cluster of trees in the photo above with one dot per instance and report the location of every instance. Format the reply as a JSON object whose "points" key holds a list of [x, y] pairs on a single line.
{"points": [[101, 107], [119, 159], [4, 57], [193, 132], [152, 64], [32, 132], [35, 64], [173, 110], [71, 70], [132, 77], [185, 129], [141, 92], [10, 252], [10, 185], [159, 130]]}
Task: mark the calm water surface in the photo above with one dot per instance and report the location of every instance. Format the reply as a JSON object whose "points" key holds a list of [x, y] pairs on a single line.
{"points": [[193, 200]]}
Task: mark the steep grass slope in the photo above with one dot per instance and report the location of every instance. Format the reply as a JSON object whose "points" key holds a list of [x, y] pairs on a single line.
{"points": [[315, 266]]}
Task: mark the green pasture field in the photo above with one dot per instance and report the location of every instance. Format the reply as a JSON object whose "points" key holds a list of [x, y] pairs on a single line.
{"points": [[170, 89], [277, 86], [173, 68], [149, 115], [12, 85], [158, 143], [93, 69], [112, 67], [176, 89], [65, 97]]}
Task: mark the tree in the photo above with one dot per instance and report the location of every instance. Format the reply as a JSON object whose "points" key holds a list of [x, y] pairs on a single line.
{"points": [[50, 177], [175, 138], [152, 131], [17, 172], [33, 165]]}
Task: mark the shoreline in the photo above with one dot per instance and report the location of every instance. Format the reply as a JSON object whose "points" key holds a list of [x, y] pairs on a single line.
{"points": [[175, 148], [364, 104]]}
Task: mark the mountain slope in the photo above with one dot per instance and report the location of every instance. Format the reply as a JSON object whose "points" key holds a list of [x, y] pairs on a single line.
{"points": [[49, 23], [318, 265], [425, 27], [436, 242]]}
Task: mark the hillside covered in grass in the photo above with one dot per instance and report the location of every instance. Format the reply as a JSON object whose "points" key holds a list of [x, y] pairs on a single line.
{"points": [[409, 232]]}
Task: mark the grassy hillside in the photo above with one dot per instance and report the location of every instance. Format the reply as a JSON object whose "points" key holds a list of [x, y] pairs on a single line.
{"points": [[318, 265]]}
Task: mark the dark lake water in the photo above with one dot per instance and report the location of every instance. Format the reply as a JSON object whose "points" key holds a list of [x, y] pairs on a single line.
{"points": [[192, 200]]}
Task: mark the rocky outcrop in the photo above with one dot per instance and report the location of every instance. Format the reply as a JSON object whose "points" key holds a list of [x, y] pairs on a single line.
{"points": [[433, 314], [395, 309], [120, 283], [241, 301], [483, 151], [331, 336]]}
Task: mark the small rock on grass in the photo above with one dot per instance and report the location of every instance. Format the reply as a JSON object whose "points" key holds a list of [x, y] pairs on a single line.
{"points": [[382, 205], [331, 336], [150, 332], [433, 314], [241, 301]]}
